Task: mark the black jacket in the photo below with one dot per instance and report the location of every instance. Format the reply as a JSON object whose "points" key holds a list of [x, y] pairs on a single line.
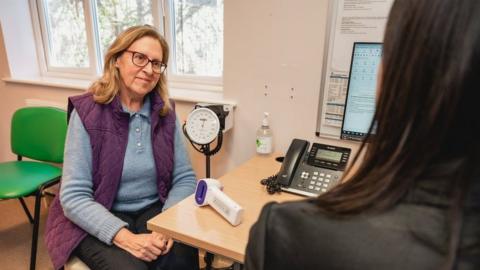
{"points": [[412, 235]]}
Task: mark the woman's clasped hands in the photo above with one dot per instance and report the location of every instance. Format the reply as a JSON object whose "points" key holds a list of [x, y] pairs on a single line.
{"points": [[145, 246]]}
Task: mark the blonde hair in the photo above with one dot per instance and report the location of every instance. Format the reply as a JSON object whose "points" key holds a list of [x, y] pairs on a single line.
{"points": [[107, 87]]}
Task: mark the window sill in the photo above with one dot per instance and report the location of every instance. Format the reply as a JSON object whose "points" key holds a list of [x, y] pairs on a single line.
{"points": [[182, 93]]}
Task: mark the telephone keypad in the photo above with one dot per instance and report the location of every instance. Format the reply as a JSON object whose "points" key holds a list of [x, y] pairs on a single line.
{"points": [[318, 183], [315, 180]]}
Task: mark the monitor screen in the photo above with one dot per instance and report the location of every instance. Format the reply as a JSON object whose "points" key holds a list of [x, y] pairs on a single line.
{"points": [[361, 91]]}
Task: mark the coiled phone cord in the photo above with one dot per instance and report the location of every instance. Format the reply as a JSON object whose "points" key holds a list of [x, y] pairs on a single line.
{"points": [[271, 184]]}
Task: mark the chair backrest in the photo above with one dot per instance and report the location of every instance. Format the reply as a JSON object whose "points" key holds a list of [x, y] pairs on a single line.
{"points": [[39, 133]]}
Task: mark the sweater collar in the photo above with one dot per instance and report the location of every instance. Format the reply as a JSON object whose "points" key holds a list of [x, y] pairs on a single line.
{"points": [[156, 103]]}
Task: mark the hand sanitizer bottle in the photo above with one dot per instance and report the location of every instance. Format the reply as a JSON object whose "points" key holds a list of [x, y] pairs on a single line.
{"points": [[264, 137]]}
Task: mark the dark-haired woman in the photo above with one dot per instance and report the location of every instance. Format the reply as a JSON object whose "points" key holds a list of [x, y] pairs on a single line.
{"points": [[414, 202]]}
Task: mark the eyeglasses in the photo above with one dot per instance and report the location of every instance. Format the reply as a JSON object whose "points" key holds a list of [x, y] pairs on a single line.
{"points": [[141, 60]]}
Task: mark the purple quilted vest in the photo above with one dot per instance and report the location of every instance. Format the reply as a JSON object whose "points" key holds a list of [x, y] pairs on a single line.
{"points": [[107, 127]]}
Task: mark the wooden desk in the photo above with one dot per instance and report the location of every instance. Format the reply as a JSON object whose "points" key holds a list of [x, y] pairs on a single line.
{"points": [[204, 228]]}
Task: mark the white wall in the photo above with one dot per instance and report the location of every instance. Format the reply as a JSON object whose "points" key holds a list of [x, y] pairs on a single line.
{"points": [[273, 56], [20, 42]]}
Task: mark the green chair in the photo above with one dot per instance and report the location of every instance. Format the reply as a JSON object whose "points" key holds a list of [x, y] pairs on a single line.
{"points": [[37, 133]]}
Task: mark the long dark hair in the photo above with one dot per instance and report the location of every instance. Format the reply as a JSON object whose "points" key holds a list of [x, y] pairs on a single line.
{"points": [[426, 109]]}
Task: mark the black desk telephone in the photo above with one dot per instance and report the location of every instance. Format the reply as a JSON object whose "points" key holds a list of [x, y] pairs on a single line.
{"points": [[313, 172]]}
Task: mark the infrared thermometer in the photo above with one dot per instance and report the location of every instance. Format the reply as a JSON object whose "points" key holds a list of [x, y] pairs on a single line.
{"points": [[209, 192]]}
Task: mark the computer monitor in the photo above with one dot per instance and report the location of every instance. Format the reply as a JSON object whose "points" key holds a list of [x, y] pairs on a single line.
{"points": [[361, 90]]}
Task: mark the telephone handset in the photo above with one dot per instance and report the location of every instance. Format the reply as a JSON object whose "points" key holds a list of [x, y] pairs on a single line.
{"points": [[294, 156], [313, 172]]}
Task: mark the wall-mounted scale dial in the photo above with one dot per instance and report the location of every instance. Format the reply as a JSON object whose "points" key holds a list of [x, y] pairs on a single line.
{"points": [[202, 126], [205, 123]]}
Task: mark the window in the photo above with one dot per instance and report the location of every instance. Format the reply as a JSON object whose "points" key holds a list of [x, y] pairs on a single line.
{"points": [[76, 33], [198, 37], [66, 39], [113, 16]]}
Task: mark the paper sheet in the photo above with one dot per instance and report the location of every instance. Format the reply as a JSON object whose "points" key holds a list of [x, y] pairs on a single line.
{"points": [[352, 21]]}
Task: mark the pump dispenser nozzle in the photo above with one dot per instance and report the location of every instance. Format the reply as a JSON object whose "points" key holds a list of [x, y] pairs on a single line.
{"points": [[265, 119]]}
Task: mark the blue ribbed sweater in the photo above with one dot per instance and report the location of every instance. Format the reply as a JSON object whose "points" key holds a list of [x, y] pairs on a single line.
{"points": [[138, 183]]}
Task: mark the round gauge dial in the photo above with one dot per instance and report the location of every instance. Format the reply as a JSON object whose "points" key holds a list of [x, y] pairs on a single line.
{"points": [[202, 126]]}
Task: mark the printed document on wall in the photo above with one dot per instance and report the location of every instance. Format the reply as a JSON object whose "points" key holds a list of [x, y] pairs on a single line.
{"points": [[351, 21]]}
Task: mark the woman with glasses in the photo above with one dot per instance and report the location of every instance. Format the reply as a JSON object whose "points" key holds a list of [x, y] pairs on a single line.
{"points": [[414, 202], [124, 163]]}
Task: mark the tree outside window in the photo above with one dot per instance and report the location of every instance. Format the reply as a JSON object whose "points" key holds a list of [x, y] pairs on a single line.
{"points": [[196, 43]]}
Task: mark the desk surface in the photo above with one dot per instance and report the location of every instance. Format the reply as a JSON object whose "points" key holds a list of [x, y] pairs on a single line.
{"points": [[204, 228]]}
